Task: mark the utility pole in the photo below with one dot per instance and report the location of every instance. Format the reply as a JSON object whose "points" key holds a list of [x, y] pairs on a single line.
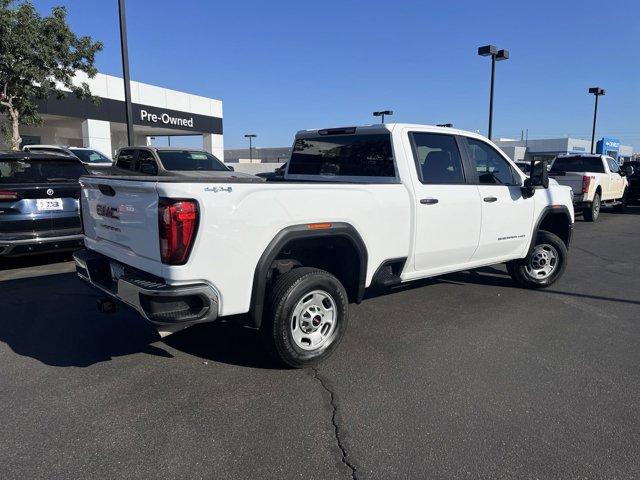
{"points": [[125, 72]]}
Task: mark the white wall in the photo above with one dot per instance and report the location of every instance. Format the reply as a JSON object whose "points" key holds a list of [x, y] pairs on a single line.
{"points": [[97, 134]]}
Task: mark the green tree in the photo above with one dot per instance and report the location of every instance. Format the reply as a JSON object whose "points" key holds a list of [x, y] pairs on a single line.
{"points": [[39, 56]]}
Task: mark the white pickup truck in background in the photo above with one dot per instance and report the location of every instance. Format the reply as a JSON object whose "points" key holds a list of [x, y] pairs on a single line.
{"points": [[596, 180], [358, 207]]}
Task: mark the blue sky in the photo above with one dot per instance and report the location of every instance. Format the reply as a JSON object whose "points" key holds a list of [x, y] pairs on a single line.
{"points": [[281, 66]]}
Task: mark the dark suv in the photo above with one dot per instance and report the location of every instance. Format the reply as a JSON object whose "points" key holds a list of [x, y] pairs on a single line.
{"points": [[633, 176], [39, 195]]}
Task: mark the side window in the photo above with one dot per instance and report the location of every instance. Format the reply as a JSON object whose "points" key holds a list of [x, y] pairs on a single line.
{"points": [[146, 163], [613, 165], [437, 158], [125, 159], [492, 168]]}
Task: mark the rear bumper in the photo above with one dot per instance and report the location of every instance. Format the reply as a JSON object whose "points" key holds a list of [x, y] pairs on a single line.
{"points": [[166, 306], [29, 246]]}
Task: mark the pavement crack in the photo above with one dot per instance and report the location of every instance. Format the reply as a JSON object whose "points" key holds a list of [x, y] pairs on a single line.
{"points": [[336, 427]]}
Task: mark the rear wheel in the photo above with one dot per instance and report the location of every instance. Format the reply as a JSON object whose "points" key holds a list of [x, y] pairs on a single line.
{"points": [[544, 265], [592, 212], [306, 316]]}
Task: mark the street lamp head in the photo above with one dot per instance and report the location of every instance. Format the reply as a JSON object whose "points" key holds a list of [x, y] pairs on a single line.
{"points": [[502, 55], [487, 50], [250, 135], [383, 112], [596, 90]]}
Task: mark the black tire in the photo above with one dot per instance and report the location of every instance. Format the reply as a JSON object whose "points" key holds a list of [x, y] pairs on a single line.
{"points": [[620, 207], [592, 212], [523, 272], [288, 291]]}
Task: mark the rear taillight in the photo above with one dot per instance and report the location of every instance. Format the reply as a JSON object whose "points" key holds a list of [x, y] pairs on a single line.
{"points": [[586, 181], [178, 223], [8, 195]]}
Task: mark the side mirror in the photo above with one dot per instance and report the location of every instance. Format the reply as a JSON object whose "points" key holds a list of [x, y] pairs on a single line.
{"points": [[627, 170], [231, 169], [540, 174], [539, 178]]}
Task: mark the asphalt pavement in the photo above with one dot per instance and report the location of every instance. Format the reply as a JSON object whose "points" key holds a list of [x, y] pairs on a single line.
{"points": [[462, 376]]}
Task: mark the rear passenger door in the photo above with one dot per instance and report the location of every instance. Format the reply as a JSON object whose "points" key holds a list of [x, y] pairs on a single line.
{"points": [[448, 211], [507, 216]]}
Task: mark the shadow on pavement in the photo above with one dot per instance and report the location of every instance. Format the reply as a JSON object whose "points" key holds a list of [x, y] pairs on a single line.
{"points": [[53, 319], [12, 263], [224, 342]]}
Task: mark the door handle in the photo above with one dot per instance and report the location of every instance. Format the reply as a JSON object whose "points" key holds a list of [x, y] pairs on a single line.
{"points": [[428, 201], [490, 199]]}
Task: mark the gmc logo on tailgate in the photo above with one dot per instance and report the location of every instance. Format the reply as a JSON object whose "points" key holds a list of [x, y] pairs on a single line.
{"points": [[107, 211]]}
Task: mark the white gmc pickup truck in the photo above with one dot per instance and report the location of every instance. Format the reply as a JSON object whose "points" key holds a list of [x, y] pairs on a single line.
{"points": [[358, 207]]}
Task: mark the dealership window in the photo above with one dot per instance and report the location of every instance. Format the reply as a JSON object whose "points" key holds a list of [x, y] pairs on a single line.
{"points": [[438, 158], [492, 168]]}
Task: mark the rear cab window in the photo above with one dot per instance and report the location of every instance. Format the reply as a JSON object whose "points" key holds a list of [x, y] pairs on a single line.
{"points": [[190, 160], [577, 164], [40, 171], [343, 155]]}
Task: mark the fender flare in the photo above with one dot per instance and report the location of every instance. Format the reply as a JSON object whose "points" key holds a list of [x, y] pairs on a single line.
{"points": [[300, 232], [546, 211]]}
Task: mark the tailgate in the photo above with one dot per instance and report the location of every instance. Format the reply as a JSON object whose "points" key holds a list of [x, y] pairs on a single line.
{"points": [[569, 179], [120, 219]]}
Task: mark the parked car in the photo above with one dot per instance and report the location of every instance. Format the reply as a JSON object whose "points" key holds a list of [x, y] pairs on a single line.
{"points": [[90, 157], [359, 207], [596, 180], [167, 161], [633, 177], [39, 195]]}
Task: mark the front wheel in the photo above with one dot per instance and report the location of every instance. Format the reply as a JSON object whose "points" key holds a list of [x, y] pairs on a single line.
{"points": [[544, 265], [306, 318]]}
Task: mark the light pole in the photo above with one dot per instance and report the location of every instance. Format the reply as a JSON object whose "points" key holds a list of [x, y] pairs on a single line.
{"points": [[597, 91], [250, 136], [125, 72], [496, 56], [382, 113]]}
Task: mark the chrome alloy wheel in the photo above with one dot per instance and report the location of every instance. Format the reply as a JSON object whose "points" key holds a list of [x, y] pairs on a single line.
{"points": [[314, 320], [543, 262]]}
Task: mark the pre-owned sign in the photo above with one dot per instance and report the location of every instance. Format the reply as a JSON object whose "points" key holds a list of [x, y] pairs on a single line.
{"points": [[166, 119]]}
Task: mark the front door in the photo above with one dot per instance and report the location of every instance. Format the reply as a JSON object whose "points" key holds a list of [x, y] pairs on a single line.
{"points": [[448, 211], [507, 217]]}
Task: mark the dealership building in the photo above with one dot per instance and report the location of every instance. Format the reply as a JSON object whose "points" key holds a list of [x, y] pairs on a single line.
{"points": [[548, 148], [156, 112]]}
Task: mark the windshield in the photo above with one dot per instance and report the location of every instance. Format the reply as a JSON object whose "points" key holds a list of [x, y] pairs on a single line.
{"points": [[578, 164], [343, 156], [40, 171], [185, 160], [91, 156]]}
